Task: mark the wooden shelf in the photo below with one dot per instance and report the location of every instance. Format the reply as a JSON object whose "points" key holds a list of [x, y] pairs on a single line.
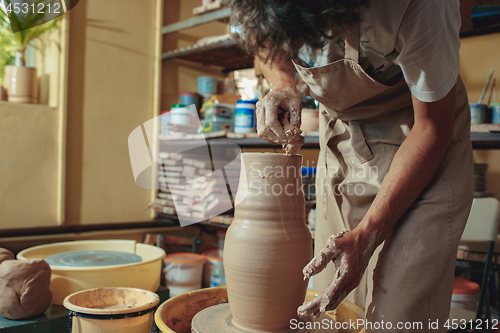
{"points": [[222, 14], [485, 140], [224, 53], [479, 141]]}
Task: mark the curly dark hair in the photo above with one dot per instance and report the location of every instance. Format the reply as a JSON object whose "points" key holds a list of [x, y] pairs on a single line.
{"points": [[287, 25]]}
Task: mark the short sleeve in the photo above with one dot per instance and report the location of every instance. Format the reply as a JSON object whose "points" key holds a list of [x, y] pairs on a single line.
{"points": [[428, 43]]}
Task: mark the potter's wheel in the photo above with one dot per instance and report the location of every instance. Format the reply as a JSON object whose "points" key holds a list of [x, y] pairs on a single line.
{"points": [[92, 258], [219, 319], [81, 265]]}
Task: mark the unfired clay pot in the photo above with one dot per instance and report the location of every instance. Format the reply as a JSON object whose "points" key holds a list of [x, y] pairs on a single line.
{"points": [[310, 120], [21, 84], [267, 244]]}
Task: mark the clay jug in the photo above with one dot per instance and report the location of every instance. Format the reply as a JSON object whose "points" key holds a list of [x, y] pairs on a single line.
{"points": [[267, 244]]}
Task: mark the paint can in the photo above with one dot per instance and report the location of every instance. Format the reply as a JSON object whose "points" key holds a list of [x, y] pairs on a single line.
{"points": [[244, 116], [183, 272], [478, 113], [495, 109], [189, 98], [206, 85], [465, 294]]}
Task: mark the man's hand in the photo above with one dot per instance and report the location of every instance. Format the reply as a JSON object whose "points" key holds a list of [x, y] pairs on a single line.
{"points": [[278, 113], [279, 118], [350, 252]]}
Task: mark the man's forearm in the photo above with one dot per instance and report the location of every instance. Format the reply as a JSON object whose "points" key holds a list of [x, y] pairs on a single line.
{"points": [[279, 72]]}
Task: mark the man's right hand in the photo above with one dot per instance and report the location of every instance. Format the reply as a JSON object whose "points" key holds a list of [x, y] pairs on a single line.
{"points": [[276, 112]]}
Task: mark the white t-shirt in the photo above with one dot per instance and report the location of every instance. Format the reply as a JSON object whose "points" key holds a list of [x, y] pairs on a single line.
{"points": [[418, 39]]}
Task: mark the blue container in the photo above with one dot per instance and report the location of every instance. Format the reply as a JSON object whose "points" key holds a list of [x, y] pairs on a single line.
{"points": [[495, 109], [206, 85], [309, 182], [189, 98], [244, 116], [478, 113]]}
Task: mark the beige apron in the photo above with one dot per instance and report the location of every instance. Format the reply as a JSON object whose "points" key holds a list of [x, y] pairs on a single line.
{"points": [[362, 125]]}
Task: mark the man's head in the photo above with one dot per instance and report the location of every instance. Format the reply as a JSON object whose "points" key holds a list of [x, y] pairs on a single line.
{"points": [[287, 25]]}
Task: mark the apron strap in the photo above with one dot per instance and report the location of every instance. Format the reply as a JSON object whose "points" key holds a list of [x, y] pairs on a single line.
{"points": [[351, 36], [358, 143]]}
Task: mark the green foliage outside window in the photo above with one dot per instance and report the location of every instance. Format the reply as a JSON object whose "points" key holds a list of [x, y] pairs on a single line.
{"points": [[7, 51]]}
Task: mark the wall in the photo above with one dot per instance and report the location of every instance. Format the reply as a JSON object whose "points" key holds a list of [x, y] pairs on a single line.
{"points": [[479, 55], [32, 143], [113, 58], [28, 165]]}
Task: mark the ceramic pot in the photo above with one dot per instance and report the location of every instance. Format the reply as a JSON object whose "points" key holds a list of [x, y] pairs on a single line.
{"points": [[3, 94], [22, 84], [310, 120], [268, 244]]}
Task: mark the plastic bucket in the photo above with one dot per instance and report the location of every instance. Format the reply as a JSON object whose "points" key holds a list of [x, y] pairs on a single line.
{"points": [[465, 294], [244, 117], [188, 98], [179, 114], [206, 85], [111, 310], [495, 109], [213, 265], [478, 113], [183, 272]]}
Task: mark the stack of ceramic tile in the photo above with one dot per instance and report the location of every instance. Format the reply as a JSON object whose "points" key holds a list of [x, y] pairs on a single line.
{"points": [[189, 187]]}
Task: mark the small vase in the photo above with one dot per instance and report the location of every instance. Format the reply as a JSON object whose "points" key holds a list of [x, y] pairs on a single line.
{"points": [[268, 244], [21, 84]]}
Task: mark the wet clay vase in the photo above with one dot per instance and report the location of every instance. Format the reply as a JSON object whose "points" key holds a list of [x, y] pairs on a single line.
{"points": [[268, 244]]}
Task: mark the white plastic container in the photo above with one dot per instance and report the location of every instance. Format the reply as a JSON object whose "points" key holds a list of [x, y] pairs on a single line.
{"points": [[213, 272], [179, 115], [244, 116], [183, 272], [111, 310], [465, 294]]}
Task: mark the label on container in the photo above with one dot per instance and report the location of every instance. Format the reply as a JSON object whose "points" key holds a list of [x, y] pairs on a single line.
{"points": [[244, 118], [217, 280]]}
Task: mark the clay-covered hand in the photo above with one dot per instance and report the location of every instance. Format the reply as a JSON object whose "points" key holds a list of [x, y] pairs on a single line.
{"points": [[278, 118], [24, 288], [6, 255], [350, 254]]}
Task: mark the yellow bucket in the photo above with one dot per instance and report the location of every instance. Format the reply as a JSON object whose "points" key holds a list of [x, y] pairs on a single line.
{"points": [[175, 315], [111, 310]]}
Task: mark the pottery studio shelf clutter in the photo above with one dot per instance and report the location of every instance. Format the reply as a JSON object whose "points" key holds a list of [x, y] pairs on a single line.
{"points": [[222, 51], [484, 136]]}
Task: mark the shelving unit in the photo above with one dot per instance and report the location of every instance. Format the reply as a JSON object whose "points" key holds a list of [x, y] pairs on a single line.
{"points": [[223, 53], [479, 141]]}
